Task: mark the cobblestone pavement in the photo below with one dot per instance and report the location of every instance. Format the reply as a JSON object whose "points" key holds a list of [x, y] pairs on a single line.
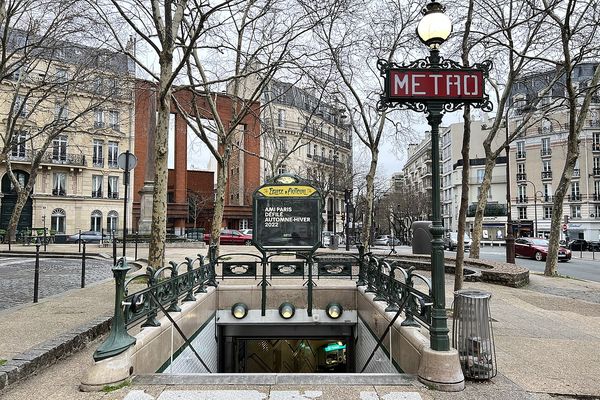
{"points": [[56, 276]]}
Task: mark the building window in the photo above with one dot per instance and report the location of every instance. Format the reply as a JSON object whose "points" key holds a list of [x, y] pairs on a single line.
{"points": [[19, 144], [547, 192], [97, 186], [113, 187], [61, 111], [97, 155], [114, 120], [575, 195], [59, 184], [59, 148], [546, 151], [575, 211], [20, 107], [522, 193], [281, 118], [522, 212], [99, 118], [57, 220], [62, 75], [96, 221], [520, 168], [244, 223], [112, 220], [480, 173], [281, 170], [596, 142], [521, 149], [546, 166], [283, 143], [323, 152], [547, 212], [113, 154]]}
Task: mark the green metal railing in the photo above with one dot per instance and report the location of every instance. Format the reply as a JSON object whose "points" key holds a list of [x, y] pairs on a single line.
{"points": [[389, 280]]}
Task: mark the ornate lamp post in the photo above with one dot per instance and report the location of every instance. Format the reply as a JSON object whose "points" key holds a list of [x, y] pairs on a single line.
{"points": [[433, 30], [434, 86]]}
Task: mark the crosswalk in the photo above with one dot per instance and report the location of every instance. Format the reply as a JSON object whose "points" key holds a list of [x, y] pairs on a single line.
{"points": [[260, 395]]}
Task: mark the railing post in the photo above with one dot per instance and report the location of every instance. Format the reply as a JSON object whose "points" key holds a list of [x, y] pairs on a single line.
{"points": [[202, 273], [36, 274], [190, 266], [79, 243], [83, 267], [174, 307], [371, 270], [114, 243], [361, 266], [379, 282], [9, 243], [45, 239], [118, 340], [392, 293], [136, 245], [411, 304], [151, 320], [212, 258]]}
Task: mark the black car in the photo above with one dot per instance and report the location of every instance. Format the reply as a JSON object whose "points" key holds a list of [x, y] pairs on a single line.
{"points": [[594, 246], [578, 244]]}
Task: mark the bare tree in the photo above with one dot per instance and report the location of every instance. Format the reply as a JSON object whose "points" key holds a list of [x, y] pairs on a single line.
{"points": [[198, 202], [170, 30], [350, 37]]}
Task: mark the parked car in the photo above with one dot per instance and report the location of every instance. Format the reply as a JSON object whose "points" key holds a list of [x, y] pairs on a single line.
{"points": [[386, 240], [593, 246], [88, 236], [246, 231], [451, 241], [578, 244], [538, 249], [231, 236]]}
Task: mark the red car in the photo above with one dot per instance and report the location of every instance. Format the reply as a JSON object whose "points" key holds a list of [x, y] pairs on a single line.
{"points": [[231, 236], [538, 249]]}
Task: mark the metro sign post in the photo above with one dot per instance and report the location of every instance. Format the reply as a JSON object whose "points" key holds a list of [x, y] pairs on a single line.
{"points": [[435, 85]]}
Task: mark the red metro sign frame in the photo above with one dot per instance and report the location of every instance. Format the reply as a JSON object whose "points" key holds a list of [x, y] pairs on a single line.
{"points": [[415, 85]]}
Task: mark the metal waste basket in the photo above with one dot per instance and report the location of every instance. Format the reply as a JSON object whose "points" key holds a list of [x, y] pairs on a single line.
{"points": [[472, 334]]}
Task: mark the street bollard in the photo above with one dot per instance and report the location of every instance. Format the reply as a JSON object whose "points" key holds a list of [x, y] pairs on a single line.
{"points": [[114, 238], [9, 243], [580, 251], [79, 241], [136, 245], [45, 240], [36, 274], [83, 267]]}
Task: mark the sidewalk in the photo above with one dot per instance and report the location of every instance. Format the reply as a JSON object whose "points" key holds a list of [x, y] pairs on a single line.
{"points": [[547, 337]]}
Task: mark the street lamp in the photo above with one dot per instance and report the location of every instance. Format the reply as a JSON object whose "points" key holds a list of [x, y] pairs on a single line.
{"points": [[335, 159], [535, 194], [433, 29]]}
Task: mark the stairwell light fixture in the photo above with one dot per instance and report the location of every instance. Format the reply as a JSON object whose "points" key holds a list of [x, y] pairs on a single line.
{"points": [[435, 26], [239, 310], [287, 310], [334, 310]]}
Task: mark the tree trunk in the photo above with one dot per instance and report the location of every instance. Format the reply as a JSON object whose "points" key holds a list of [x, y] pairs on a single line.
{"points": [[158, 235], [219, 208], [366, 233], [490, 162], [464, 201]]}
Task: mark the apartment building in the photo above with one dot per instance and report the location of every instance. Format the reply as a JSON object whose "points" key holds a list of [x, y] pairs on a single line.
{"points": [[79, 99], [417, 176], [538, 158]]}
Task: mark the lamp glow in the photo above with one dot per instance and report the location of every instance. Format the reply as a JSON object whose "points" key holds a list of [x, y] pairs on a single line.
{"points": [[239, 310], [435, 26], [334, 310], [287, 310]]}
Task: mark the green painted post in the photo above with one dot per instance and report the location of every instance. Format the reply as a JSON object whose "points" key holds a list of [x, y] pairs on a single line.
{"points": [[118, 340]]}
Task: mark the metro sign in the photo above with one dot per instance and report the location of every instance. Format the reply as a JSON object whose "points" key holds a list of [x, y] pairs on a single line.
{"points": [[432, 84]]}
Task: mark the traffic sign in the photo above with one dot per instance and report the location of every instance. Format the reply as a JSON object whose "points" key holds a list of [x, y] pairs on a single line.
{"points": [[564, 227], [124, 163]]}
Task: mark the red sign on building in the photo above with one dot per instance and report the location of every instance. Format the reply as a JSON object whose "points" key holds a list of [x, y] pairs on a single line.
{"points": [[435, 84]]}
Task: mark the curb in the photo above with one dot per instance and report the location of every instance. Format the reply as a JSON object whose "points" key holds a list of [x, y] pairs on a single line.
{"points": [[51, 351]]}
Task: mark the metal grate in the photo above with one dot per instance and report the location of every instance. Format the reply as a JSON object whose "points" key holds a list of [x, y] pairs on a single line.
{"points": [[472, 334]]}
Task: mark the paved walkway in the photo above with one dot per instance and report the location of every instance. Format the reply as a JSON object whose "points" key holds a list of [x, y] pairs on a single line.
{"points": [[547, 338]]}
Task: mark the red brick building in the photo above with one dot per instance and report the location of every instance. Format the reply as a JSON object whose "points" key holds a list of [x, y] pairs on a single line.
{"points": [[186, 181]]}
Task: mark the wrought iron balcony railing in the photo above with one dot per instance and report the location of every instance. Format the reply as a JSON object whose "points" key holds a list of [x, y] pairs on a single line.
{"points": [[521, 155], [522, 199], [521, 177], [96, 194], [546, 152], [546, 174]]}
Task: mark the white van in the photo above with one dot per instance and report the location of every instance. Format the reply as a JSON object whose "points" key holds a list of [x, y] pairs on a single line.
{"points": [[451, 241]]}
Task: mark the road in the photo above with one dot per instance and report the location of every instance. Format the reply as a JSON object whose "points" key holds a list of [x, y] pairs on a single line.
{"points": [[57, 275]]}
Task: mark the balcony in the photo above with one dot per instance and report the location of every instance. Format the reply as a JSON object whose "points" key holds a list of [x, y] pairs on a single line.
{"points": [[595, 197], [112, 163], [20, 154], [521, 155], [546, 152], [547, 199], [521, 177], [96, 194], [546, 175], [98, 125], [52, 157], [309, 130], [522, 199], [115, 127], [98, 161], [575, 197], [596, 171], [59, 192], [545, 129], [576, 173], [596, 146], [113, 195], [491, 210]]}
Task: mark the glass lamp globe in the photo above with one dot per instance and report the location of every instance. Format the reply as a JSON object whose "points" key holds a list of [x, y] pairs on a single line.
{"points": [[435, 26]]}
